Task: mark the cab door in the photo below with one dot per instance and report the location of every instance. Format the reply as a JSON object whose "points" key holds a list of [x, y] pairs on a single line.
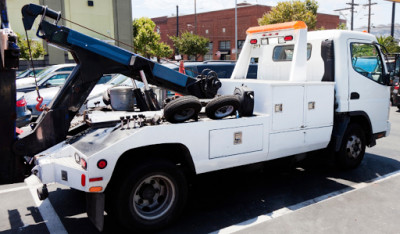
{"points": [[368, 92]]}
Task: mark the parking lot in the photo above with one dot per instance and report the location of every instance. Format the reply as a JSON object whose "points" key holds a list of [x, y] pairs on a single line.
{"points": [[307, 197]]}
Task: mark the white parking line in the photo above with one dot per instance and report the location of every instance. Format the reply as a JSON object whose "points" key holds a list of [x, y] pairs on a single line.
{"points": [[286, 210], [46, 210]]}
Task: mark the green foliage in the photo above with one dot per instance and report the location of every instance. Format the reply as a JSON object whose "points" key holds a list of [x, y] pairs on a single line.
{"points": [[146, 41], [342, 26], [191, 44], [36, 48], [363, 50], [391, 45], [292, 11]]}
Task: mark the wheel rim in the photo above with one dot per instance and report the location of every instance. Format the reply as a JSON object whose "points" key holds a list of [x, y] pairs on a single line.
{"points": [[153, 197], [354, 146], [224, 111], [184, 114]]}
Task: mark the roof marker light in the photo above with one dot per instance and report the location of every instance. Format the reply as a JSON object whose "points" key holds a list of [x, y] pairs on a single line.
{"points": [[288, 38]]}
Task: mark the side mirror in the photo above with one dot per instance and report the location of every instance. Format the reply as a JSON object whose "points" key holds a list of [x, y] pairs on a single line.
{"points": [[386, 79]]}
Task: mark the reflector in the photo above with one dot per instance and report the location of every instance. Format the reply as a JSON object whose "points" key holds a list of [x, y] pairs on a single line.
{"points": [[95, 189], [253, 41]]}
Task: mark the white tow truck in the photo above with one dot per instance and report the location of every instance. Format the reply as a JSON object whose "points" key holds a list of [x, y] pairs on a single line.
{"points": [[314, 90]]}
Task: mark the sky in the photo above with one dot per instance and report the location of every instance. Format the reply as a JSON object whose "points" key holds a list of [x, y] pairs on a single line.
{"points": [[382, 11]]}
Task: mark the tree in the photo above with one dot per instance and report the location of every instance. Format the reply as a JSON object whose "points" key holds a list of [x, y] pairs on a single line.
{"points": [[191, 44], [292, 11], [146, 41], [388, 42], [36, 48], [342, 26]]}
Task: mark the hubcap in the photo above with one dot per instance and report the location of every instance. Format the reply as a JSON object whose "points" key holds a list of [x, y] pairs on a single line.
{"points": [[153, 197], [224, 111], [354, 146], [184, 114]]}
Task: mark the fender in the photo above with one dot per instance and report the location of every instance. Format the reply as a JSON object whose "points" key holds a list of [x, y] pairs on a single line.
{"points": [[342, 120]]}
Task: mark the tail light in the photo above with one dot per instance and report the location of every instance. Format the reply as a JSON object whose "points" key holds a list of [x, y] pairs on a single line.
{"points": [[83, 163], [396, 87], [21, 102], [253, 41]]}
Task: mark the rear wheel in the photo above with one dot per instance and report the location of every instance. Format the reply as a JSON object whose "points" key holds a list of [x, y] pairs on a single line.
{"points": [[152, 196], [352, 148]]}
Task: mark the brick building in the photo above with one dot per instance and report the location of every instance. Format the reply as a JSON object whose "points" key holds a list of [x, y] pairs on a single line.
{"points": [[219, 27]]}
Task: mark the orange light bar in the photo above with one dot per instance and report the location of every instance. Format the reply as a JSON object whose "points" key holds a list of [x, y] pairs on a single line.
{"points": [[275, 27], [95, 189]]}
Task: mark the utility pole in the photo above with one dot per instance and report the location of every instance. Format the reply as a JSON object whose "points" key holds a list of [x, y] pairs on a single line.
{"points": [[352, 12], [392, 27], [369, 14]]}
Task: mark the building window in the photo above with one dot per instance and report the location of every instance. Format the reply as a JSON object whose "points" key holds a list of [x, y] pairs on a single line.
{"points": [[206, 31], [225, 45], [208, 57], [210, 46], [223, 30], [240, 44]]}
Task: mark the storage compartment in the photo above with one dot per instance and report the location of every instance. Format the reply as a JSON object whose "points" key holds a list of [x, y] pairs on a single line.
{"points": [[233, 141]]}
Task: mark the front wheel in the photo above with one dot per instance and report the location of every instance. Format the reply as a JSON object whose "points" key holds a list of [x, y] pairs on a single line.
{"points": [[352, 148], [151, 196]]}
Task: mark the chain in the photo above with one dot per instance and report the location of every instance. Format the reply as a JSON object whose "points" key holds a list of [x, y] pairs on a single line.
{"points": [[31, 60]]}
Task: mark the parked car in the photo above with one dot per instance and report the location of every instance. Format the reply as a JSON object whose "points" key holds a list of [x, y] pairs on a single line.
{"points": [[49, 93], [395, 95], [55, 68], [50, 80], [29, 72], [223, 68], [23, 114]]}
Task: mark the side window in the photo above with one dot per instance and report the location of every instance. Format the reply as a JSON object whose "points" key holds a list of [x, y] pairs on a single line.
{"points": [[104, 79], [66, 69], [58, 79], [285, 52], [366, 61]]}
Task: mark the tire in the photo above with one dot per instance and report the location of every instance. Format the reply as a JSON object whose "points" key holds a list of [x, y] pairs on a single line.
{"points": [[151, 196], [398, 107], [182, 109], [352, 148], [222, 107]]}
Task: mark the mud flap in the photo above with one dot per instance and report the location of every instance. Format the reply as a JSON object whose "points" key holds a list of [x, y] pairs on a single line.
{"points": [[95, 209]]}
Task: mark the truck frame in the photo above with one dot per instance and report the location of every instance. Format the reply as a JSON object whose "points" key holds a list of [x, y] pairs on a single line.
{"points": [[310, 94]]}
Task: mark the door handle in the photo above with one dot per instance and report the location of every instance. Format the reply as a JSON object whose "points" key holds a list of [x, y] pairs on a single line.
{"points": [[354, 95]]}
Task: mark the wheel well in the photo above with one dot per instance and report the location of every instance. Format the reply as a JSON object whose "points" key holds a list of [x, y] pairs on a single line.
{"points": [[176, 153], [365, 125]]}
